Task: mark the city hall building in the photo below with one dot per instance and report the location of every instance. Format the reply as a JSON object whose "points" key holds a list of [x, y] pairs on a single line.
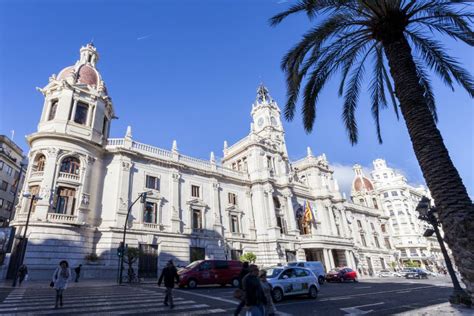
{"points": [[251, 201]]}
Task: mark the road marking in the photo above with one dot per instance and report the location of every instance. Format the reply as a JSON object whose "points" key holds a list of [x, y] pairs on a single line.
{"points": [[209, 297], [355, 310], [362, 287], [403, 292]]}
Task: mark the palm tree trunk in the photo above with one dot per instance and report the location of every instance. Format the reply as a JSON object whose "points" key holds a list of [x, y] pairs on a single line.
{"points": [[455, 208]]}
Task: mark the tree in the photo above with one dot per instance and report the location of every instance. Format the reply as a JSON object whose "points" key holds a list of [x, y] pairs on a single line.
{"points": [[248, 257], [130, 257], [348, 34]]}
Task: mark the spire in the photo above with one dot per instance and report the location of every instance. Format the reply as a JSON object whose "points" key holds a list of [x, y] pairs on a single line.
{"points": [[212, 159], [263, 96], [89, 55], [225, 145], [309, 152], [174, 147], [128, 133]]}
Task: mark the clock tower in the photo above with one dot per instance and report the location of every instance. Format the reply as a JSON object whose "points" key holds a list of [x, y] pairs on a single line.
{"points": [[265, 114]]}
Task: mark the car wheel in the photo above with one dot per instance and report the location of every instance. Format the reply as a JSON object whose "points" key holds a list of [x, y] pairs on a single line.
{"points": [[235, 282], [321, 280], [192, 284], [313, 292], [277, 295]]}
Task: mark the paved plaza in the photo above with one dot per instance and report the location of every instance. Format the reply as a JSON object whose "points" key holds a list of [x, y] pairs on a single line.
{"points": [[373, 296]]}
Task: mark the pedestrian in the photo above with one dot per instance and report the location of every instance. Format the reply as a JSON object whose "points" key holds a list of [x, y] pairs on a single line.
{"points": [[78, 272], [254, 296], [61, 278], [170, 275], [239, 293], [267, 288], [22, 274]]}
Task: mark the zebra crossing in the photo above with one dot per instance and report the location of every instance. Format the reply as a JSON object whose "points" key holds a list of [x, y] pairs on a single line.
{"points": [[110, 300]]}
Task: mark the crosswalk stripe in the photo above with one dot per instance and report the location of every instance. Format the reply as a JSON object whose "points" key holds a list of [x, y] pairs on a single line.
{"points": [[122, 310], [202, 312], [161, 309], [80, 304]]}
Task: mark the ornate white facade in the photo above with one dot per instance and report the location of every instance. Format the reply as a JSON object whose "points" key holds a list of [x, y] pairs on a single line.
{"points": [[389, 190], [252, 201]]}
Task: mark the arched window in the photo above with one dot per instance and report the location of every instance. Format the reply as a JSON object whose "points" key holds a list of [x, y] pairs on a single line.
{"points": [[39, 162], [70, 165]]}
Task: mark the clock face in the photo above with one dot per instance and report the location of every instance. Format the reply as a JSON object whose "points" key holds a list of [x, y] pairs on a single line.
{"points": [[260, 121], [274, 121]]}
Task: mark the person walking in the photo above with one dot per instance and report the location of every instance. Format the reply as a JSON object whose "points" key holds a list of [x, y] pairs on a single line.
{"points": [[61, 278], [22, 274], [240, 293], [77, 270], [270, 309], [255, 299], [170, 275]]}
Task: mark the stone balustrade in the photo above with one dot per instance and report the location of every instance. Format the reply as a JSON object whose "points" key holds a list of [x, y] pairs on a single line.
{"points": [[62, 218]]}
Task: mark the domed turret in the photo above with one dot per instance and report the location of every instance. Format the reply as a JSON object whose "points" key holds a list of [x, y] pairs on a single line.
{"points": [[361, 183]]}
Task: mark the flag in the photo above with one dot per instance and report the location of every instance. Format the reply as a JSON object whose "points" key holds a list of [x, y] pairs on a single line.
{"points": [[308, 212]]}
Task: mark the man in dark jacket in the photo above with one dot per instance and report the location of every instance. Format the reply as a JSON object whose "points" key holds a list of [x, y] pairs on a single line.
{"points": [[254, 296], [78, 272], [245, 270], [170, 275]]}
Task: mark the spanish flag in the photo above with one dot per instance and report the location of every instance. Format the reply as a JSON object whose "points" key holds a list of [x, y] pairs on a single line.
{"points": [[308, 213]]}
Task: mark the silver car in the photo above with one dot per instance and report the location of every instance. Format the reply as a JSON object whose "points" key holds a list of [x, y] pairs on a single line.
{"points": [[288, 281]]}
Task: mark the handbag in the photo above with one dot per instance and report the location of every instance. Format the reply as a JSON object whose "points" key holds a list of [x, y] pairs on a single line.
{"points": [[51, 284]]}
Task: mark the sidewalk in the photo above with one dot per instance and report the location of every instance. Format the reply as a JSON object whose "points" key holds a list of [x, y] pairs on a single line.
{"points": [[440, 309]]}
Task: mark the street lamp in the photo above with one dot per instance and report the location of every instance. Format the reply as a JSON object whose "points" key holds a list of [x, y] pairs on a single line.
{"points": [[23, 241], [121, 251], [430, 215]]}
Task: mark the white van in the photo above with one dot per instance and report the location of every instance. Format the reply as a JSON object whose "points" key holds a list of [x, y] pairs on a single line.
{"points": [[315, 266]]}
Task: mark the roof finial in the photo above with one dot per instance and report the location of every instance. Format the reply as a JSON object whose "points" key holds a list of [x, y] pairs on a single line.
{"points": [[174, 147], [128, 134], [309, 152], [263, 97], [212, 158]]}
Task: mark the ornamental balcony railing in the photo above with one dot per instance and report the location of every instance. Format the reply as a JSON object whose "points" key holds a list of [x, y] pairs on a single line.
{"points": [[62, 218], [69, 176], [152, 226], [37, 174]]}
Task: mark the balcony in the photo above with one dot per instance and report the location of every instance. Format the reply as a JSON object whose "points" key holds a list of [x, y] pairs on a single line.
{"points": [[36, 174], [69, 177], [152, 226], [62, 218]]}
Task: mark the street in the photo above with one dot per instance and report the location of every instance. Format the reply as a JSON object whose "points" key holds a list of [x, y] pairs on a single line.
{"points": [[374, 296]]}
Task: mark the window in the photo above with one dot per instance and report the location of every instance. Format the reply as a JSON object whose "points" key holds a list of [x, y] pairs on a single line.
{"points": [[383, 228], [8, 170], [65, 201], [4, 186], [392, 213], [9, 205], [234, 224], [387, 243], [372, 226], [195, 191], [152, 183], [197, 219], [52, 111], [403, 253], [359, 224], [1, 203], [385, 195], [39, 163], [375, 203], [394, 193], [413, 252], [276, 202], [221, 265], [290, 256], [385, 176], [282, 224], [300, 273], [197, 253], [149, 215], [377, 244], [70, 165], [232, 198], [105, 126], [80, 117], [362, 201], [235, 254], [362, 239]]}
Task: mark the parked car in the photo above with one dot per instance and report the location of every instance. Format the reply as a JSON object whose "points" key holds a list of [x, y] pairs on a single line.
{"points": [[417, 274], [405, 271], [288, 281], [315, 266], [204, 272], [388, 273], [341, 275]]}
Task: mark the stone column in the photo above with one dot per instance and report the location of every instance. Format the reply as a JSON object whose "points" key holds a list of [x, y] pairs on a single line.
{"points": [[327, 260], [123, 181], [84, 200], [215, 204], [175, 205], [291, 214], [332, 223], [47, 184], [271, 208], [250, 214], [345, 224]]}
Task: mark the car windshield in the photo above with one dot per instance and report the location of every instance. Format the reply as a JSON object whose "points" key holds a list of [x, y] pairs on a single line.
{"points": [[273, 272], [193, 264]]}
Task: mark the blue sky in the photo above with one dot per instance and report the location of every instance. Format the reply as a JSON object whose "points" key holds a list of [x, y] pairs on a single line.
{"points": [[188, 70]]}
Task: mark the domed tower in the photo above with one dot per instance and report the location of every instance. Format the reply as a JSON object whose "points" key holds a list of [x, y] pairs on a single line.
{"points": [[363, 192], [66, 152]]}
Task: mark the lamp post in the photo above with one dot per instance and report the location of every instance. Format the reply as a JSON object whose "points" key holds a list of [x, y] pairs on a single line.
{"points": [[142, 197], [430, 215], [23, 241]]}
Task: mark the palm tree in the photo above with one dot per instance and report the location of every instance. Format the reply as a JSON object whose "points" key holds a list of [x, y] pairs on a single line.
{"points": [[352, 32]]}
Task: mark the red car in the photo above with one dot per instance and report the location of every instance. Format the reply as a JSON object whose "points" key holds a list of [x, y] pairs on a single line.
{"points": [[341, 275], [204, 272]]}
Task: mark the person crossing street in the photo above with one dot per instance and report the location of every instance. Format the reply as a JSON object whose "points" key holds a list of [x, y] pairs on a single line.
{"points": [[170, 276]]}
